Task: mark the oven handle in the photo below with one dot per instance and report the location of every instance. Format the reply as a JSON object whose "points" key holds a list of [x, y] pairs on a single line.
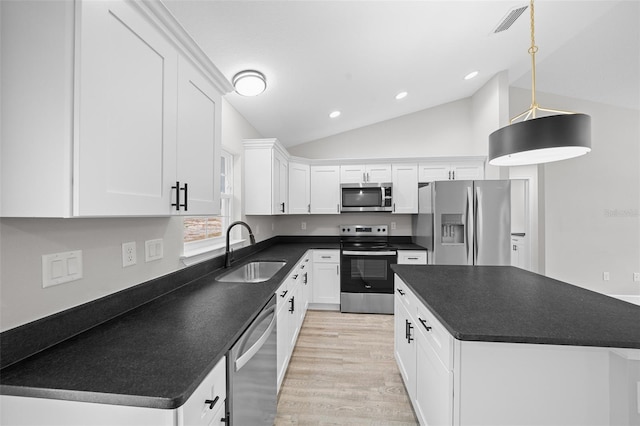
{"points": [[368, 253]]}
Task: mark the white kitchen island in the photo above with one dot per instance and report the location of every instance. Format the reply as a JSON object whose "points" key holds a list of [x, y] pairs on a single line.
{"points": [[502, 346]]}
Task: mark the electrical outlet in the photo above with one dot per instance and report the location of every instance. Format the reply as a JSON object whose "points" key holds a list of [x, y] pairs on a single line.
{"points": [[393, 225], [303, 225], [636, 276], [605, 276], [129, 254]]}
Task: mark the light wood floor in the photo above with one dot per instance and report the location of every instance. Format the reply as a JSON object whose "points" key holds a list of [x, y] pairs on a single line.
{"points": [[343, 372]]}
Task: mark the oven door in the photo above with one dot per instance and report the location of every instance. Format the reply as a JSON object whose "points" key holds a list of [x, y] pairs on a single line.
{"points": [[367, 271]]}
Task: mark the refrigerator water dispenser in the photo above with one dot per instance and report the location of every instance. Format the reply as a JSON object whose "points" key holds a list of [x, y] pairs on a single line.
{"points": [[452, 230]]}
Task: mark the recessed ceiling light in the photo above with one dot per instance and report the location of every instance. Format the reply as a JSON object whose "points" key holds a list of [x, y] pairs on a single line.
{"points": [[335, 114], [249, 83], [471, 75], [401, 95]]}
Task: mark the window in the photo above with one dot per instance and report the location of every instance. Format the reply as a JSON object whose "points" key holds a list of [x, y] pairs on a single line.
{"points": [[205, 233]]}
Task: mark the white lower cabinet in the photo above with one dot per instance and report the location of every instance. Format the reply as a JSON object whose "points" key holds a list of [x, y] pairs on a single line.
{"points": [[412, 257], [291, 304], [206, 406], [404, 346], [326, 278]]}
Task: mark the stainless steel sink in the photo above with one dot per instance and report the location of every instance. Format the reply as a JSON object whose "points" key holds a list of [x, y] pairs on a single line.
{"points": [[253, 272]]}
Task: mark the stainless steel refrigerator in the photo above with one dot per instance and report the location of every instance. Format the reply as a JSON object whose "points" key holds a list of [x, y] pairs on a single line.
{"points": [[465, 222]]}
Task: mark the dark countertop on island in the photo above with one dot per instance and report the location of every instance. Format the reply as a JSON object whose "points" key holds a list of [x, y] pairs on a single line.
{"points": [[508, 304], [156, 354]]}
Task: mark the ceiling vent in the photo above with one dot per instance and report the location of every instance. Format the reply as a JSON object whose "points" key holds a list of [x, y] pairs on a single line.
{"points": [[509, 19]]}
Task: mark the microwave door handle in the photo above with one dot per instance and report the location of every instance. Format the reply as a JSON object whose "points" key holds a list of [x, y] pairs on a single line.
{"points": [[382, 198]]}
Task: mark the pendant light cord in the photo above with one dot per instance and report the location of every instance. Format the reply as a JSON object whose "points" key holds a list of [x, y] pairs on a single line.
{"points": [[534, 108]]}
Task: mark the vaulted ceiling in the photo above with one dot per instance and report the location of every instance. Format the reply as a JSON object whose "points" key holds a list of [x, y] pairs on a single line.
{"points": [[355, 56]]}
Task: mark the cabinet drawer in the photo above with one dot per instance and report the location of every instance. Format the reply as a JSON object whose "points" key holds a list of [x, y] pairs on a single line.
{"points": [[405, 296], [208, 398], [412, 257], [282, 293], [436, 335], [326, 256]]}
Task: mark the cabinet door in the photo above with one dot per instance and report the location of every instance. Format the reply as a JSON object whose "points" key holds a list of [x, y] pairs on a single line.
{"points": [[280, 178], [125, 140], [352, 174], [430, 172], [405, 346], [376, 173], [433, 398], [405, 188], [299, 188], [325, 189], [326, 283], [198, 144], [471, 171], [258, 173], [294, 310]]}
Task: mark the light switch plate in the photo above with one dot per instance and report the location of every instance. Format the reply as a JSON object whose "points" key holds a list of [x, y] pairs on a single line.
{"points": [[153, 250], [59, 268]]}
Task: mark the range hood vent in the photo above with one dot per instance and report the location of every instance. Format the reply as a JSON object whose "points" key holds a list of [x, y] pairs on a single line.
{"points": [[509, 19]]}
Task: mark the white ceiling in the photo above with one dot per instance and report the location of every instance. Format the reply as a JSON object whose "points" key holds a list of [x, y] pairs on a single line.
{"points": [[355, 56]]}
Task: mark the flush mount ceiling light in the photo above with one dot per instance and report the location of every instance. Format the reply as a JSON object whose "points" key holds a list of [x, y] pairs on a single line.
{"points": [[535, 140], [249, 83], [335, 114], [401, 95], [471, 75]]}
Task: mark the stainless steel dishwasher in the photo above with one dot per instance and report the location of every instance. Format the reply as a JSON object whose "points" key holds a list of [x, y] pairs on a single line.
{"points": [[251, 372]]}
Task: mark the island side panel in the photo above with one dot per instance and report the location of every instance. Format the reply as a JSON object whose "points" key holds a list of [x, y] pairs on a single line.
{"points": [[516, 383]]}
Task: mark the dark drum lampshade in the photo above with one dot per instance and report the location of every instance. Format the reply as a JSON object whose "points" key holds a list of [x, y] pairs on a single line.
{"points": [[541, 140]]}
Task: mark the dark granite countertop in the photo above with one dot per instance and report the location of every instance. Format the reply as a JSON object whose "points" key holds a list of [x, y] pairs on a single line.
{"points": [[508, 304], [157, 354]]}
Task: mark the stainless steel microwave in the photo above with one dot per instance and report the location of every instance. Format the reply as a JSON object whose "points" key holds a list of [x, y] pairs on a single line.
{"points": [[366, 197]]}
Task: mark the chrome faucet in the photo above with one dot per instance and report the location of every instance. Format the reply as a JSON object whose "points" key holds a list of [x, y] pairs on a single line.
{"points": [[227, 252]]}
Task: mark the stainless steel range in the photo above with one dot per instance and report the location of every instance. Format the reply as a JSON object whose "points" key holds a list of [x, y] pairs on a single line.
{"points": [[366, 278]]}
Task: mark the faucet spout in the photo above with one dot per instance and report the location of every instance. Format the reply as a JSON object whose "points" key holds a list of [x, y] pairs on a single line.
{"points": [[227, 252]]}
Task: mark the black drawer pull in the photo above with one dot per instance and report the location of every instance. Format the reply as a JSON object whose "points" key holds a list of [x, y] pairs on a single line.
{"points": [[424, 324], [401, 292], [284, 293], [211, 402]]}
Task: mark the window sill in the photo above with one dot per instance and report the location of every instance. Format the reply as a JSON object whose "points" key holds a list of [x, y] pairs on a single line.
{"points": [[197, 255]]}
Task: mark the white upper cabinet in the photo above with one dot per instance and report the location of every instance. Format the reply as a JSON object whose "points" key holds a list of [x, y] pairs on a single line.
{"points": [[127, 98], [135, 113], [199, 142], [365, 173], [266, 177], [430, 171], [325, 189], [299, 188], [405, 188]]}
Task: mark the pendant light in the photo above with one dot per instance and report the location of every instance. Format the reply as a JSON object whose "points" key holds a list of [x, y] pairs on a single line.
{"points": [[535, 140]]}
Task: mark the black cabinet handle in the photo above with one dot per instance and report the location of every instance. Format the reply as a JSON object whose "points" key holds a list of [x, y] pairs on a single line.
{"points": [[186, 197], [295, 277], [282, 204], [211, 402], [284, 293], [177, 203], [400, 291], [408, 328], [292, 308], [305, 278], [424, 324]]}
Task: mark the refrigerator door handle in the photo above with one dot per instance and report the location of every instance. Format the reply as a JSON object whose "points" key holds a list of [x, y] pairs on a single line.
{"points": [[245, 357], [469, 227], [478, 225]]}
